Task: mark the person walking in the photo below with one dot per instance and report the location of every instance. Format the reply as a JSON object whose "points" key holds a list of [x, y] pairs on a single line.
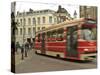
{"points": [[22, 52], [17, 47], [26, 48], [31, 45]]}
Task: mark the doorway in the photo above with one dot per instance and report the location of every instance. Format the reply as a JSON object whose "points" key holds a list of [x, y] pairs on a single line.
{"points": [[72, 43]]}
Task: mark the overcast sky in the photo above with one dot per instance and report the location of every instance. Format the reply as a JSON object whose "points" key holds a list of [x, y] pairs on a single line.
{"points": [[26, 5]]}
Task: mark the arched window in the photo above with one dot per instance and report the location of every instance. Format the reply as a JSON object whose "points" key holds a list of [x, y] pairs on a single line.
{"points": [[17, 31], [29, 21], [43, 20], [24, 21], [20, 21], [38, 20], [43, 28], [34, 21], [29, 31], [34, 31], [20, 31], [38, 28], [24, 32], [50, 19]]}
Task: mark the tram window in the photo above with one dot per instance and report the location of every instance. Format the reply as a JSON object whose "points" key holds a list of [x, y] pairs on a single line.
{"points": [[38, 37], [54, 34], [87, 34], [60, 34], [48, 34]]}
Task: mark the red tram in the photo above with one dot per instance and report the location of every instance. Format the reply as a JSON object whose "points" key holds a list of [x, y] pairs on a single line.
{"points": [[73, 39]]}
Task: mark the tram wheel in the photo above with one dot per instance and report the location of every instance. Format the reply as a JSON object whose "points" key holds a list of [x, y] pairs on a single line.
{"points": [[58, 56]]}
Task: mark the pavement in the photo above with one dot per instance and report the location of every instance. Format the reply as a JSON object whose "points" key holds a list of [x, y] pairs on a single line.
{"points": [[18, 56]]}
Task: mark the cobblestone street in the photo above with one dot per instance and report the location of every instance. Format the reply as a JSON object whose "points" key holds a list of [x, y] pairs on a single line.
{"points": [[39, 63]]}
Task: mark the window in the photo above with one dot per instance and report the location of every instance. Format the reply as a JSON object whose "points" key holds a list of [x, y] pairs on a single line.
{"points": [[16, 31], [20, 31], [91, 22], [24, 31], [50, 19], [24, 21], [48, 34], [43, 20], [87, 34], [43, 28], [54, 34], [38, 28], [38, 20], [33, 30], [60, 35], [29, 31], [21, 21], [29, 21], [34, 21]]}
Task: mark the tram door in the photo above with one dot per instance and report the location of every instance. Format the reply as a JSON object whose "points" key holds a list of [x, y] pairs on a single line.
{"points": [[43, 43], [72, 37]]}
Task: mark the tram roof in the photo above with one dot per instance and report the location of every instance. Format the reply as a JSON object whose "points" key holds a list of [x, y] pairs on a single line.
{"points": [[60, 25]]}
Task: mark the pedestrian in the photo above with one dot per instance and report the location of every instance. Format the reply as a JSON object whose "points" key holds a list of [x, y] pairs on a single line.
{"points": [[17, 47], [22, 52], [31, 45], [26, 48]]}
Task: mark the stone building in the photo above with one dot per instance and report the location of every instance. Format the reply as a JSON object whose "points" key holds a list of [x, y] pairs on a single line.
{"points": [[88, 12], [32, 21]]}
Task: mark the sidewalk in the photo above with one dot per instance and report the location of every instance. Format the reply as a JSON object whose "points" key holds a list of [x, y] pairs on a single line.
{"points": [[18, 56]]}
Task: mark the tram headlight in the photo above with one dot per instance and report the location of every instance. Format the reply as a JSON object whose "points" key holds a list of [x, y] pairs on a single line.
{"points": [[86, 49]]}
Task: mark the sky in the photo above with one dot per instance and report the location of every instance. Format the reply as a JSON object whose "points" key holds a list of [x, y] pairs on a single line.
{"points": [[26, 5]]}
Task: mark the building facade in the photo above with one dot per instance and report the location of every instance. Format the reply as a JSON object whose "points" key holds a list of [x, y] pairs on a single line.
{"points": [[88, 12], [32, 21]]}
